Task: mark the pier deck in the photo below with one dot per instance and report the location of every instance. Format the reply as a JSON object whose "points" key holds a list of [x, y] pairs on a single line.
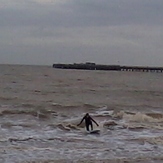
{"points": [[93, 66]]}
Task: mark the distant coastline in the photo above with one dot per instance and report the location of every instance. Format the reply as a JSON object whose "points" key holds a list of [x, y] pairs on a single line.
{"points": [[94, 66]]}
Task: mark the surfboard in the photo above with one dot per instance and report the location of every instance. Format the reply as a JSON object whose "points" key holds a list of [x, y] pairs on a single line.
{"points": [[94, 132]]}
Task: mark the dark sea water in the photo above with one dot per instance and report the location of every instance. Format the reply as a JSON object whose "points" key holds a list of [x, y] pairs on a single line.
{"points": [[40, 108]]}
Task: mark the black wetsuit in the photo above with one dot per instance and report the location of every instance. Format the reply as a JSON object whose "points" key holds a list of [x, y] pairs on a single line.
{"points": [[88, 121]]}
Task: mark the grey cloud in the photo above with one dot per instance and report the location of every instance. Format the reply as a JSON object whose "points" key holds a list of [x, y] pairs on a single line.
{"points": [[85, 13], [120, 12], [102, 31]]}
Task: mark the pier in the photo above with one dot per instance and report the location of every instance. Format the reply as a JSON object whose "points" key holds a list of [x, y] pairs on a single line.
{"points": [[141, 69], [93, 66]]}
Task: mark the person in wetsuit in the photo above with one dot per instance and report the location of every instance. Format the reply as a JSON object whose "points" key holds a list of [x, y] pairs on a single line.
{"points": [[88, 121]]}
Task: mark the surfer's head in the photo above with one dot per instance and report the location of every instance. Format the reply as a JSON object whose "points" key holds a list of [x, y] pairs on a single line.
{"points": [[87, 115]]}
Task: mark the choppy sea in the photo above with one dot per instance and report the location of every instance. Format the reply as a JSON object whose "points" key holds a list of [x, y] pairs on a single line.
{"points": [[40, 108]]}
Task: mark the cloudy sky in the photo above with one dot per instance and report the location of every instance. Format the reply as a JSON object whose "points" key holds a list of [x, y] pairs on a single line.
{"points": [[43, 32]]}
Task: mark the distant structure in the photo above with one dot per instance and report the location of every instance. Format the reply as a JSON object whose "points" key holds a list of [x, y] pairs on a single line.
{"points": [[93, 66], [87, 66]]}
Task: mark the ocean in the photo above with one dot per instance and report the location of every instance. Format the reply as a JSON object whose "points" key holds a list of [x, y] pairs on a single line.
{"points": [[40, 108]]}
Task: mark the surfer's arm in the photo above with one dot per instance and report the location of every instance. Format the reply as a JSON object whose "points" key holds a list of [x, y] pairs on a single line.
{"points": [[94, 121], [81, 121]]}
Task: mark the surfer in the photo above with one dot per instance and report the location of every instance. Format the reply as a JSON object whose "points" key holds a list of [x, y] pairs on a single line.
{"points": [[88, 121]]}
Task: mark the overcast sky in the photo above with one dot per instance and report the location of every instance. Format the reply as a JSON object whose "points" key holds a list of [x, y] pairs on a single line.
{"points": [[43, 32]]}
